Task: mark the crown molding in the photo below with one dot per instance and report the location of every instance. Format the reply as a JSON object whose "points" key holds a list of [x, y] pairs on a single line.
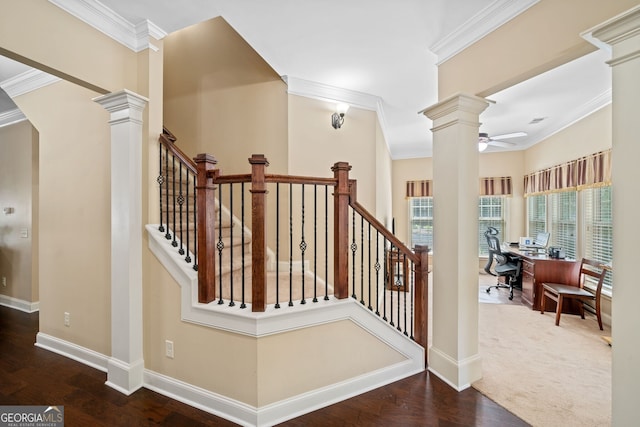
{"points": [[26, 82], [11, 117], [487, 20], [322, 92], [92, 12]]}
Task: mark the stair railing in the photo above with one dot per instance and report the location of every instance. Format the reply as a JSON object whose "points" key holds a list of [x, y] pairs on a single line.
{"points": [[369, 263], [177, 183]]}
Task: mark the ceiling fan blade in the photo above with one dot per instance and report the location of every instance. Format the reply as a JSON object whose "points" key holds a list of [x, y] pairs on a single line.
{"points": [[504, 144], [509, 135]]}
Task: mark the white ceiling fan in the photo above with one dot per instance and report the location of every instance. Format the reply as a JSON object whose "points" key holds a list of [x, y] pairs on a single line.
{"points": [[484, 140]]}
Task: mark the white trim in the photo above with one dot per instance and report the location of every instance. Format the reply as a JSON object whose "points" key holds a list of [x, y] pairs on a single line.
{"points": [[247, 415], [11, 117], [323, 92], [459, 374], [19, 304], [134, 36], [26, 82], [72, 351], [482, 23]]}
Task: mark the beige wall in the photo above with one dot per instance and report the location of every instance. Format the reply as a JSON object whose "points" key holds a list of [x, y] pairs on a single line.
{"points": [[74, 213], [46, 37], [383, 171], [545, 36], [221, 98], [315, 146], [19, 190], [587, 136]]}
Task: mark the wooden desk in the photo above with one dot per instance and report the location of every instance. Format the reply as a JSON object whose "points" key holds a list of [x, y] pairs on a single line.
{"points": [[539, 268]]}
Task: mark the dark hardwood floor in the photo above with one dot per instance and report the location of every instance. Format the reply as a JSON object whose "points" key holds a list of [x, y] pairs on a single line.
{"points": [[33, 376]]}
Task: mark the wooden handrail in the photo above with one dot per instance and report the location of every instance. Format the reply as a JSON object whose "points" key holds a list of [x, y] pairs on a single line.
{"points": [[168, 140]]}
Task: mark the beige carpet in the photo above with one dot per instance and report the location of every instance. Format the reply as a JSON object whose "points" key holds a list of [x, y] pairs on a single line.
{"points": [[545, 374]]}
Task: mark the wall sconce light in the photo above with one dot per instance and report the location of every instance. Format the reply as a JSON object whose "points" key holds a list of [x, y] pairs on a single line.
{"points": [[7, 211], [337, 118]]}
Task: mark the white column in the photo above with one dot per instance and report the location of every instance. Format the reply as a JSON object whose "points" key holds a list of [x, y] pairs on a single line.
{"points": [[453, 355], [622, 34], [126, 365]]}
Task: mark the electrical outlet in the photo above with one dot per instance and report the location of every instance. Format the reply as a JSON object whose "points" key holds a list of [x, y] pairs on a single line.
{"points": [[4, 281], [168, 349], [67, 319]]}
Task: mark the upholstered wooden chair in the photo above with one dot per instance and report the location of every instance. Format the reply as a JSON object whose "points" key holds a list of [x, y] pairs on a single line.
{"points": [[561, 291]]}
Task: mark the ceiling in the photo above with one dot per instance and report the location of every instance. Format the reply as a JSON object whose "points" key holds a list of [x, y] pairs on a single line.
{"points": [[386, 50]]}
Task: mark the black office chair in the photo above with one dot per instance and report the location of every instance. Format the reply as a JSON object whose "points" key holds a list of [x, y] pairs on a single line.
{"points": [[508, 266]]}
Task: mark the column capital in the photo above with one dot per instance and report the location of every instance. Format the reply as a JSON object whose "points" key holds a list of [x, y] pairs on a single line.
{"points": [[121, 100], [622, 33], [460, 106], [123, 105]]}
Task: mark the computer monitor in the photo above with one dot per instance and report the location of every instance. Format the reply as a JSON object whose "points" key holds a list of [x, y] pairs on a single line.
{"points": [[541, 241]]}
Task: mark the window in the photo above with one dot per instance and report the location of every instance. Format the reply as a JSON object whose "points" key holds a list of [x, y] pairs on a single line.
{"points": [[598, 226], [563, 216], [490, 214], [537, 214], [421, 209]]}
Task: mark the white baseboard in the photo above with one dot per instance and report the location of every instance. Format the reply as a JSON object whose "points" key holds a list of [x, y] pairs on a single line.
{"points": [[278, 412], [73, 351], [459, 374], [19, 304], [233, 410]]}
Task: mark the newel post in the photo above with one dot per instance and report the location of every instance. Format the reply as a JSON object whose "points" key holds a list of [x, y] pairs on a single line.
{"points": [[206, 213], [421, 295], [258, 232], [341, 230]]}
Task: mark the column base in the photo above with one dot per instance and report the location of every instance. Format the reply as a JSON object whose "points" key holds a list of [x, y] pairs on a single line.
{"points": [[125, 377], [459, 374]]}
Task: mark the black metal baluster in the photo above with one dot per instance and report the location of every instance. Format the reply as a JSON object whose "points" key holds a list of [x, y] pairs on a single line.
{"points": [[181, 203], [220, 244], [242, 304], [166, 192], [406, 289], [173, 180], [290, 245], [392, 273], [161, 181], [188, 257], [412, 296], [315, 243], [386, 279], [303, 247], [398, 285], [354, 247], [277, 245], [362, 260], [377, 272], [326, 243], [195, 226], [231, 245], [369, 268]]}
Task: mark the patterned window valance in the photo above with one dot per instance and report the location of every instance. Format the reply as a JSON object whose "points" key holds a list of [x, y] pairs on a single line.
{"points": [[589, 171], [488, 187], [419, 188], [496, 186], [594, 170]]}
